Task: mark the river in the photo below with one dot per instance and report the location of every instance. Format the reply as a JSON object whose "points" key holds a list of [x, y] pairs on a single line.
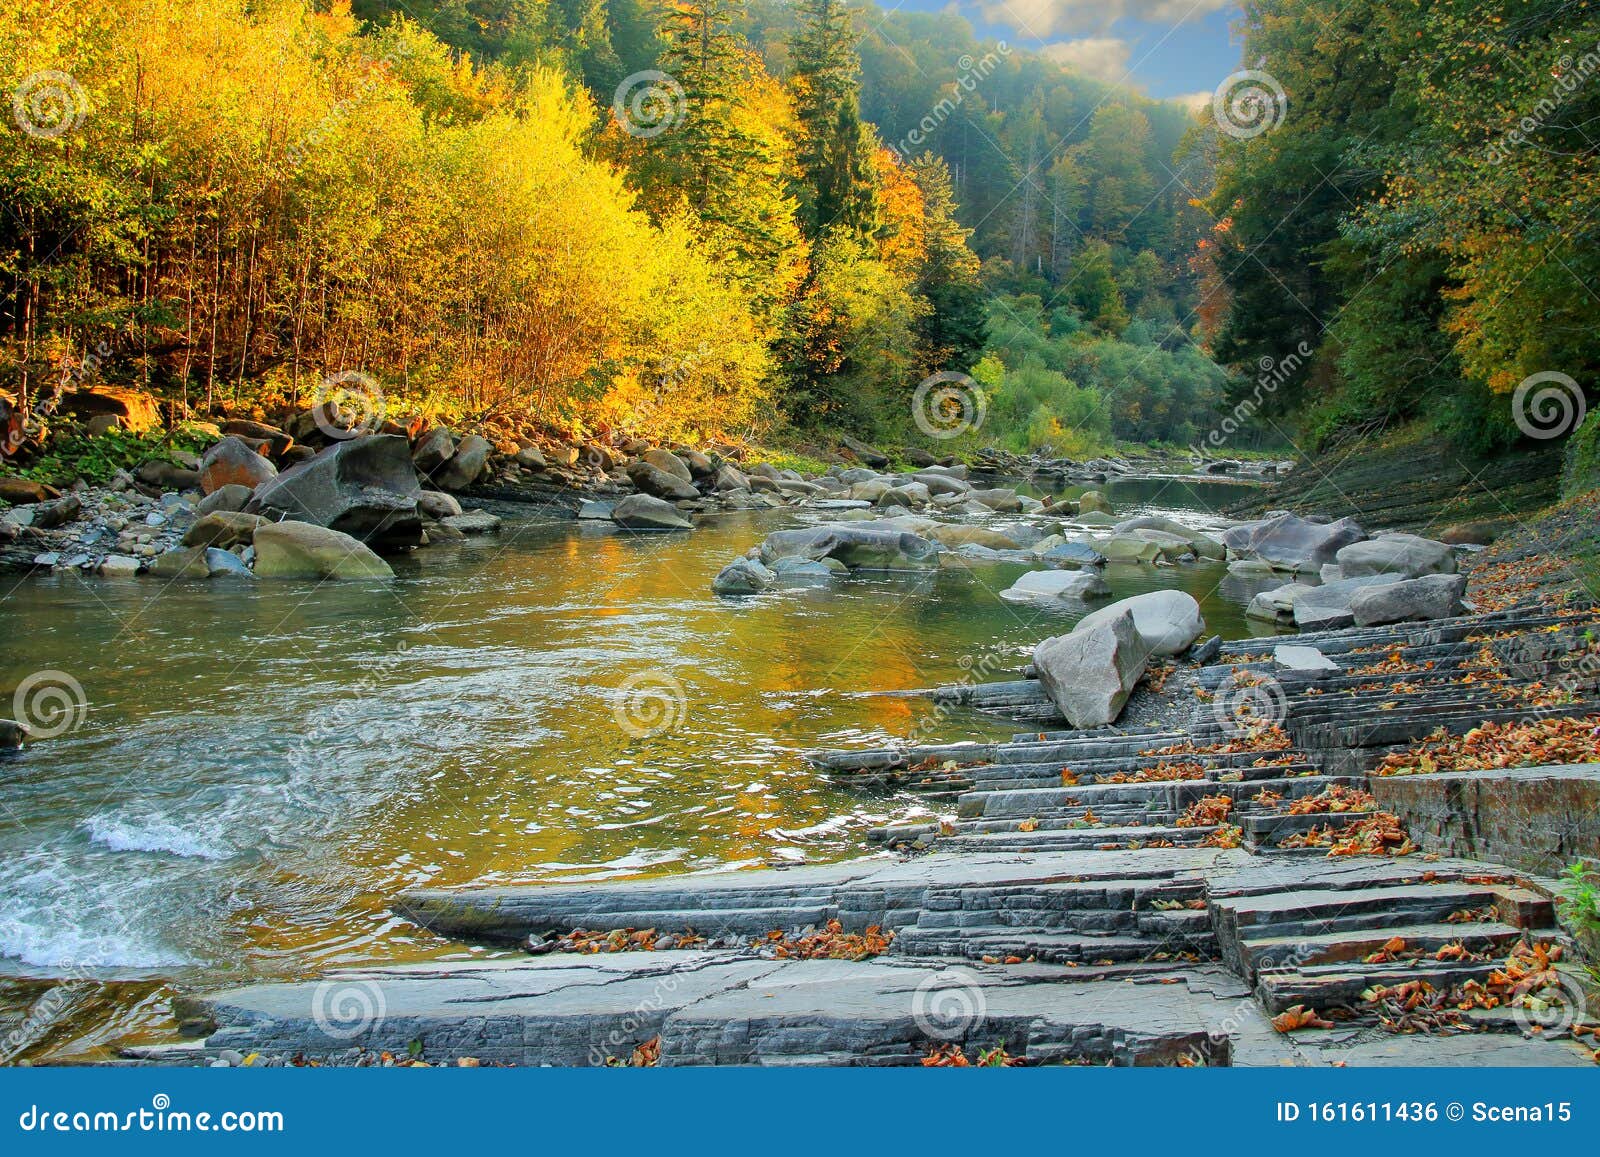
{"points": [[259, 770]]}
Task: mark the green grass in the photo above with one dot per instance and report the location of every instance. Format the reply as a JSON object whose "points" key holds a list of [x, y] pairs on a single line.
{"points": [[70, 454]]}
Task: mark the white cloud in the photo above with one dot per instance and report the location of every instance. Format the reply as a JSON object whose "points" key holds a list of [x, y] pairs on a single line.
{"points": [[1042, 19], [1101, 57], [1193, 101]]}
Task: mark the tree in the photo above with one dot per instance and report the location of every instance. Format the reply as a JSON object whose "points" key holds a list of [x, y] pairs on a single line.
{"points": [[954, 330], [836, 146]]}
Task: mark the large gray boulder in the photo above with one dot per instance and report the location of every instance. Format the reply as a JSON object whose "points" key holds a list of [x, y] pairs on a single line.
{"points": [[466, 465], [1403, 554], [300, 550], [642, 512], [1047, 587], [1073, 554], [1167, 621], [364, 487], [859, 546], [1434, 596], [670, 463], [658, 483], [1090, 673], [998, 499], [953, 535], [729, 479], [433, 449], [1289, 542], [1323, 607], [743, 576]]}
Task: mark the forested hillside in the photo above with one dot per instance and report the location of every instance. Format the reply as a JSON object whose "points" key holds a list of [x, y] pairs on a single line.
{"points": [[718, 217], [1421, 213]]}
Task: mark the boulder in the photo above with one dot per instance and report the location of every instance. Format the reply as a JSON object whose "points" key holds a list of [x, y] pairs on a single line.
{"points": [[668, 462], [804, 571], [729, 479], [1130, 548], [1051, 586], [223, 528], [302, 550], [231, 498], [870, 490], [859, 546], [166, 475], [1093, 501], [865, 454], [953, 536], [256, 432], [436, 504], [473, 522], [1090, 672], [699, 465], [1289, 542], [530, 457], [1095, 519], [642, 512], [433, 450], [999, 499], [137, 411], [466, 465], [12, 734], [938, 484], [119, 566], [364, 487], [1172, 546], [743, 576], [232, 462], [226, 564], [1404, 554], [1434, 596], [1313, 607], [1073, 554], [21, 491], [1167, 621], [185, 562], [658, 483], [1470, 533], [49, 515]]}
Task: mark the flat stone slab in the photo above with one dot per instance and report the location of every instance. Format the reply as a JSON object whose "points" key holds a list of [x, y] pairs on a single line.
{"points": [[720, 1008], [878, 890]]}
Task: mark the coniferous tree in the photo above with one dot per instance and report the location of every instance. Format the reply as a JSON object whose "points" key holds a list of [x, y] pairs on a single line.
{"points": [[836, 146], [954, 330]]}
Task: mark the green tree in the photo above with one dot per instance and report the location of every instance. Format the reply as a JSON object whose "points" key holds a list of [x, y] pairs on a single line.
{"points": [[838, 188]]}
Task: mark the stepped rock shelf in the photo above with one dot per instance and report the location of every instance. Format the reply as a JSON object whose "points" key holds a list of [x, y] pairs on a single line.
{"points": [[1161, 895]]}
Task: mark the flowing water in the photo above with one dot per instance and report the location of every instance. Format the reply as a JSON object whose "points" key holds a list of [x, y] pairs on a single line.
{"points": [[259, 770]]}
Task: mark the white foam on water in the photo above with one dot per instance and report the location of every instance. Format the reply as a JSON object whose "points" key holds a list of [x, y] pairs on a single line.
{"points": [[125, 833], [55, 919]]}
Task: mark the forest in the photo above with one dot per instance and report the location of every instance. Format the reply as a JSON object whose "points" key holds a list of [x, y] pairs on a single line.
{"points": [[713, 218], [735, 217]]}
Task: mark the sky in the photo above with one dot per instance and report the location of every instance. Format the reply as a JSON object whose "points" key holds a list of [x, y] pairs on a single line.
{"points": [[1165, 48]]}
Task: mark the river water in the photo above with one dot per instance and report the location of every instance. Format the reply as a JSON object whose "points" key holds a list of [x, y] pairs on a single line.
{"points": [[258, 771]]}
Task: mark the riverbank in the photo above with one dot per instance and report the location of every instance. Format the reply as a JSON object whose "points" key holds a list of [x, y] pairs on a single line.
{"points": [[1411, 479]]}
